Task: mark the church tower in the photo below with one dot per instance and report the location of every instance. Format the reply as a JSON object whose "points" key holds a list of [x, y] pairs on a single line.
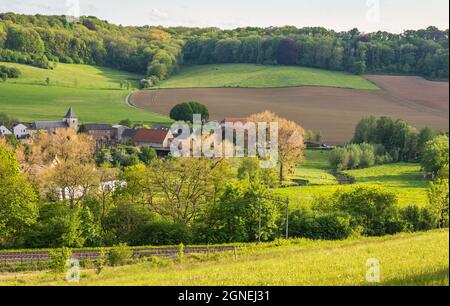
{"points": [[71, 119]]}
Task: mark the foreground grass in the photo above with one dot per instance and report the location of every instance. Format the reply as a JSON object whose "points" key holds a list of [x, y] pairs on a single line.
{"points": [[406, 259], [257, 76], [93, 92]]}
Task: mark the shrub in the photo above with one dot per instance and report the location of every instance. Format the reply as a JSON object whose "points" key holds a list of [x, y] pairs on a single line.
{"points": [[100, 263], [181, 252], [417, 219], [10, 72], [119, 255], [158, 262], [319, 225], [436, 154], [235, 217], [339, 159], [438, 197], [161, 233], [359, 156], [58, 260], [372, 208]]}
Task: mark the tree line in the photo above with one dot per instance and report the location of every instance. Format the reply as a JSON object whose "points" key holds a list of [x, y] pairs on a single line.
{"points": [[384, 140], [159, 52], [423, 52]]}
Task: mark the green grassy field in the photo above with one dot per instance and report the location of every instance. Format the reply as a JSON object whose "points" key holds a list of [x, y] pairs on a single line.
{"points": [[315, 168], [93, 92], [257, 76], [403, 179], [405, 259]]}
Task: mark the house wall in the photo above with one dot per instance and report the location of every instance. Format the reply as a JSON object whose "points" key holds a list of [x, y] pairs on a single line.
{"points": [[101, 134], [20, 131], [150, 144], [4, 131]]}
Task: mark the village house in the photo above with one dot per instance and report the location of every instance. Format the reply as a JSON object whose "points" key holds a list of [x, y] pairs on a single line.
{"points": [[99, 132], [157, 138], [107, 134], [127, 135], [20, 131], [4, 131]]}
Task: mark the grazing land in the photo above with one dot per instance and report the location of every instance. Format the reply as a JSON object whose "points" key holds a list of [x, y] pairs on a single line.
{"points": [[404, 259], [315, 168], [258, 76], [93, 92], [334, 111], [403, 179]]}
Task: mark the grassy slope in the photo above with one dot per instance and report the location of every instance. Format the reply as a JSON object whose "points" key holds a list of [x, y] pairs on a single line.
{"points": [[256, 76], [406, 259], [94, 92], [403, 179], [315, 169]]}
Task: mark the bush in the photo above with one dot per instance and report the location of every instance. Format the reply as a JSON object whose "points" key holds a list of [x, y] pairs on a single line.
{"points": [[161, 233], [359, 156], [319, 225], [417, 219], [371, 208], [100, 263], [10, 72], [119, 255], [438, 198], [234, 218], [58, 260], [181, 253], [339, 159]]}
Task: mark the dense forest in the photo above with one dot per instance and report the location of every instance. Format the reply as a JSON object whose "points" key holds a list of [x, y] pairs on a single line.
{"points": [[159, 52]]}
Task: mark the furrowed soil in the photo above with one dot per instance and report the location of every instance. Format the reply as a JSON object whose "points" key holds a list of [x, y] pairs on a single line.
{"points": [[333, 111]]}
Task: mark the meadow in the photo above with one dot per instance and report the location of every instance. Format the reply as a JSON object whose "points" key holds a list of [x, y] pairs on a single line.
{"points": [[403, 179], [94, 93], [258, 76], [405, 259]]}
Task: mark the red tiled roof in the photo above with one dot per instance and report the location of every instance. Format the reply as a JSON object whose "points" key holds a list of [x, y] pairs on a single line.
{"points": [[150, 136]]}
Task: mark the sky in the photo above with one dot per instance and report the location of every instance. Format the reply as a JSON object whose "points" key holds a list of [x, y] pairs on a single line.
{"points": [[367, 15]]}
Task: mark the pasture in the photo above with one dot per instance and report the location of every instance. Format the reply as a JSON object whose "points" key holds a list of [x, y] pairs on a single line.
{"points": [[93, 92], [334, 111], [403, 179], [405, 259], [258, 76]]}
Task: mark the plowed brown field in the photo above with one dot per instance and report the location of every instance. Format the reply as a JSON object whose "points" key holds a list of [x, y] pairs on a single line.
{"points": [[333, 111]]}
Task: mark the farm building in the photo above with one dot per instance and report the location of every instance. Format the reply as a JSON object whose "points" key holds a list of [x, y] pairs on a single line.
{"points": [[159, 139], [107, 134]]}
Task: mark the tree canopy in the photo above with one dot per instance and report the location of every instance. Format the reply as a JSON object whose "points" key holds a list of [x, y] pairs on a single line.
{"points": [[159, 51]]}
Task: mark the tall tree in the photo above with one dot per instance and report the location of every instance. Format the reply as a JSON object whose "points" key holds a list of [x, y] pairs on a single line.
{"points": [[18, 200]]}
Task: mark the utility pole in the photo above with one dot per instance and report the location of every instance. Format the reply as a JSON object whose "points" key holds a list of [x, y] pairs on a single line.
{"points": [[259, 218], [287, 218]]}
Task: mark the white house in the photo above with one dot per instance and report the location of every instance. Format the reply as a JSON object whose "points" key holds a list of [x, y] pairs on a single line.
{"points": [[4, 131], [20, 131]]}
